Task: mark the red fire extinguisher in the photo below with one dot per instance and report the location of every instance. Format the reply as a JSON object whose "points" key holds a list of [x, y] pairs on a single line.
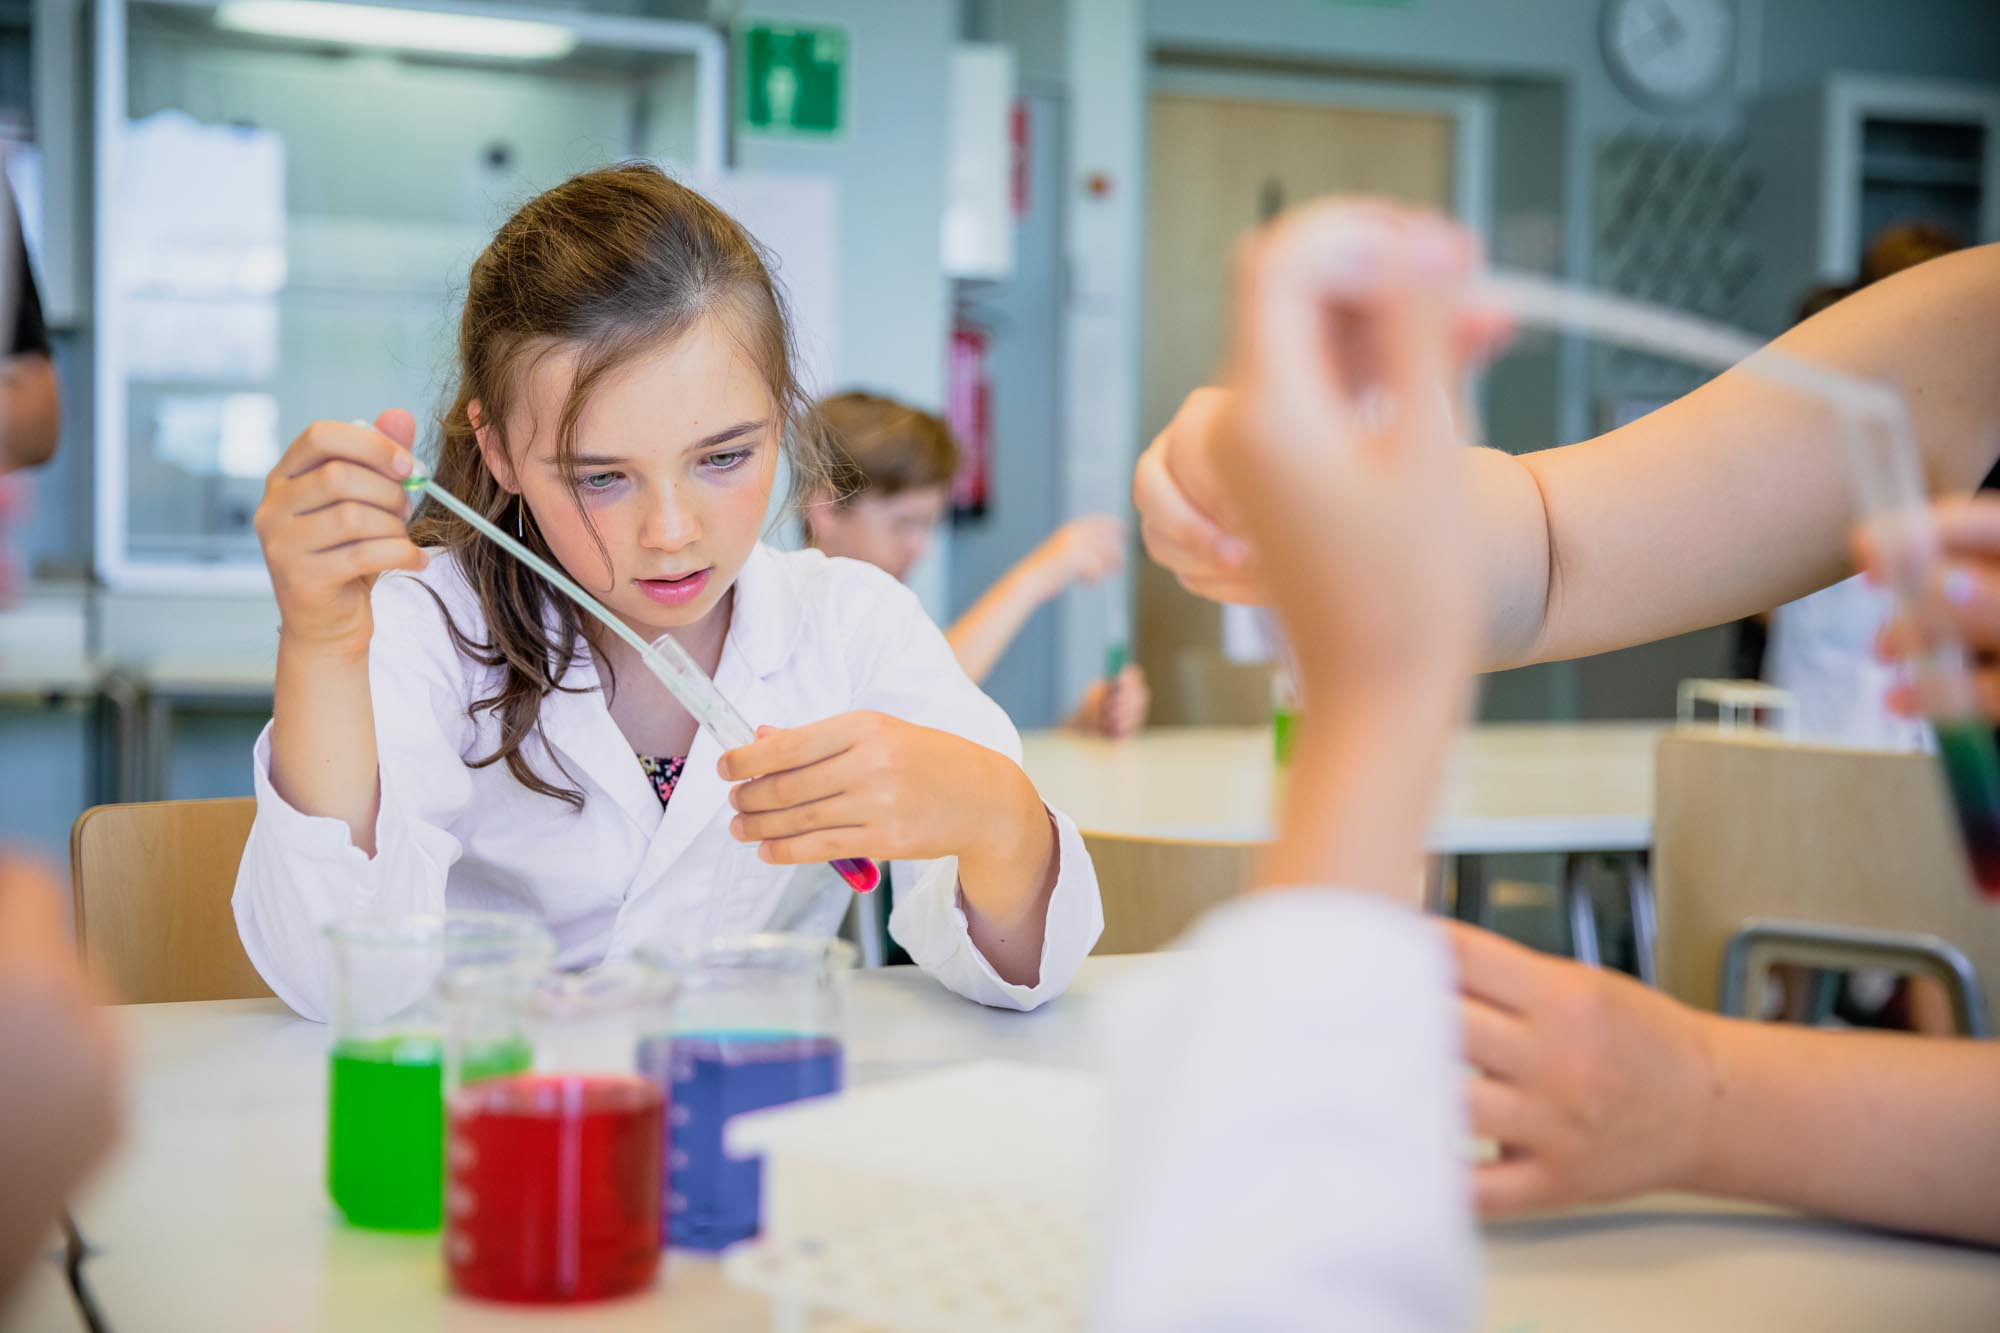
{"points": [[969, 410]]}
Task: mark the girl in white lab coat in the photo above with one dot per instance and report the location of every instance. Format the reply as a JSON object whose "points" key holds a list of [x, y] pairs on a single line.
{"points": [[455, 732]]}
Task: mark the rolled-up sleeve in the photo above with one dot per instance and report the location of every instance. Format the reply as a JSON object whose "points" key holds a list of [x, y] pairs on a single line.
{"points": [[929, 921], [1292, 1149], [301, 872], [907, 670]]}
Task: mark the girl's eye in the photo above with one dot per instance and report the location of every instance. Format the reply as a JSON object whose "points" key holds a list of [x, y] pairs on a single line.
{"points": [[598, 481], [728, 460]]}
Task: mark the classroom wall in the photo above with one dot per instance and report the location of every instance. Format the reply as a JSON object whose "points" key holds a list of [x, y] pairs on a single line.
{"points": [[1022, 318], [890, 164]]}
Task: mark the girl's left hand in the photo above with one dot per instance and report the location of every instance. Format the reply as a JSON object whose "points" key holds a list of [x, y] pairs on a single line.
{"points": [[870, 785], [1965, 596], [1116, 706]]}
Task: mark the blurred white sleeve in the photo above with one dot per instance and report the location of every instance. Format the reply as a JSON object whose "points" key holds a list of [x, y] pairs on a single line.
{"points": [[1291, 1146], [905, 668]]}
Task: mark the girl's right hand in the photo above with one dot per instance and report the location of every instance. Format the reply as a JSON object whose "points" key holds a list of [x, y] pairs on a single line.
{"points": [[1965, 596], [1593, 1086], [1084, 550], [333, 517]]}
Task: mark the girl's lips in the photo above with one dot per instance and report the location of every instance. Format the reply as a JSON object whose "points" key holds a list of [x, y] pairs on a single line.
{"points": [[675, 592]]}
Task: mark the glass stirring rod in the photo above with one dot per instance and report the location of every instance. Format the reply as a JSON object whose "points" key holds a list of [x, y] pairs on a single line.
{"points": [[664, 657]]}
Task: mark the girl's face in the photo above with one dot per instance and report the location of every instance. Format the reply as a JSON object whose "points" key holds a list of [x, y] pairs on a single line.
{"points": [[675, 456], [888, 531]]}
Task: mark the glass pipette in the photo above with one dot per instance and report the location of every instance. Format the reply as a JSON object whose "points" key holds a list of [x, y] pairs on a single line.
{"points": [[1880, 443], [665, 658]]}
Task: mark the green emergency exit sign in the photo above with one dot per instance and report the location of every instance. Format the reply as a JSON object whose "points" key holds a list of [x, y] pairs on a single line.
{"points": [[790, 78]]}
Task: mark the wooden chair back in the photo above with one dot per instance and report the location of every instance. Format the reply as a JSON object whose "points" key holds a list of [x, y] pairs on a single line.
{"points": [[1154, 888], [1749, 826], [153, 884]]}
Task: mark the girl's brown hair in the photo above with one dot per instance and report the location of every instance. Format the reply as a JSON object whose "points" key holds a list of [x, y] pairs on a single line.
{"points": [[883, 447], [607, 265]]}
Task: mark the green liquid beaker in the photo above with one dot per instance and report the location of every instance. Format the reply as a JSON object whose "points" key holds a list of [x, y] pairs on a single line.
{"points": [[385, 1084]]}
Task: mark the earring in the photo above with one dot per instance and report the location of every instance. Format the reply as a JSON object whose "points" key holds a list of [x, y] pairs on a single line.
{"points": [[520, 522]]}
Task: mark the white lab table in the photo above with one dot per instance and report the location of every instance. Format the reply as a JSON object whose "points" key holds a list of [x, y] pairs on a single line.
{"points": [[213, 1216], [1576, 790], [1535, 787]]}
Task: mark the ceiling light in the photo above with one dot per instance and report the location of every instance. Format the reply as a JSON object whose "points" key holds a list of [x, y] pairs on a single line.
{"points": [[400, 29]]}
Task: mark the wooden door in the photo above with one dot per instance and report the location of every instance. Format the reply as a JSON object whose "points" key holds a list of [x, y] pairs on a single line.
{"points": [[1217, 168]]}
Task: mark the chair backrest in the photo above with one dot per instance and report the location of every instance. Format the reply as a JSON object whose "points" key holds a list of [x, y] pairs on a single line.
{"points": [[1154, 888], [1751, 826], [153, 883]]}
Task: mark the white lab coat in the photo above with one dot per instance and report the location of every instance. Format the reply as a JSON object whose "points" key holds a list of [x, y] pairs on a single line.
{"points": [[1291, 1151], [1822, 650], [810, 637]]}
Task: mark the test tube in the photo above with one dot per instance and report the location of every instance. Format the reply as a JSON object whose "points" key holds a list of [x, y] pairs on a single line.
{"points": [[385, 1086], [1880, 444], [553, 1185], [1117, 627], [664, 656], [759, 1024], [1882, 453], [691, 685]]}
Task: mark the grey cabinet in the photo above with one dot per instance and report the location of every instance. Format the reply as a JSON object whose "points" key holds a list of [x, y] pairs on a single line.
{"points": [[1842, 160]]}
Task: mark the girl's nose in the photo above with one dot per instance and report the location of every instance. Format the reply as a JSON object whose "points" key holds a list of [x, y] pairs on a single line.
{"points": [[671, 525]]}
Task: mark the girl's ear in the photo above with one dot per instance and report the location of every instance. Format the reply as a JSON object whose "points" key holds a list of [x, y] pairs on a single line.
{"points": [[492, 451], [813, 509]]}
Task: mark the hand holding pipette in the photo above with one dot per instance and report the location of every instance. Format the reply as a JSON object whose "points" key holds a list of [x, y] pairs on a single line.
{"points": [[868, 783], [1964, 593], [1179, 487], [1115, 705], [910, 793], [664, 657], [332, 519], [1363, 525], [334, 515], [1369, 511]]}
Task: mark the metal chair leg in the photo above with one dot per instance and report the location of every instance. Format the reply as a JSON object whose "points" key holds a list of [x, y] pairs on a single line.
{"points": [[1758, 943], [1581, 910], [1469, 888], [1645, 917]]}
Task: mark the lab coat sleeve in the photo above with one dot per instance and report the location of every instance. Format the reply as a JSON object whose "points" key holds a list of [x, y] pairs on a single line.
{"points": [[300, 873], [1291, 1150], [904, 667]]}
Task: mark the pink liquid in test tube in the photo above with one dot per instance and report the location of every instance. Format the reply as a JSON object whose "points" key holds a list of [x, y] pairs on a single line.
{"points": [[861, 876]]}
